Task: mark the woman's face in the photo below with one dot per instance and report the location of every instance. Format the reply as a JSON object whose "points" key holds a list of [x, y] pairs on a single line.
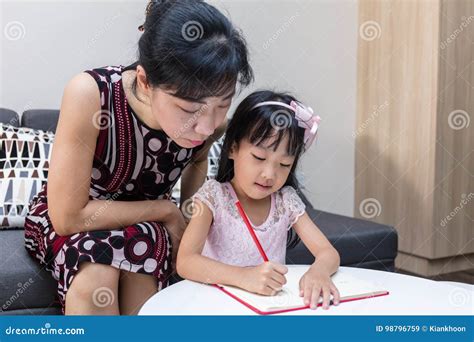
{"points": [[189, 123]]}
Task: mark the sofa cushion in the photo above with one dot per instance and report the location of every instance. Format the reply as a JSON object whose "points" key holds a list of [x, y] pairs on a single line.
{"points": [[360, 243], [24, 284], [9, 117], [43, 119], [24, 165]]}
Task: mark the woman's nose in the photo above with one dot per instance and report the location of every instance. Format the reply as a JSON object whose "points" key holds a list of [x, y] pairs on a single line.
{"points": [[205, 125]]}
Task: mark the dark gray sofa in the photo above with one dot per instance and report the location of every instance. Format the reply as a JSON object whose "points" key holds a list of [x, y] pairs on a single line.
{"points": [[360, 243]]}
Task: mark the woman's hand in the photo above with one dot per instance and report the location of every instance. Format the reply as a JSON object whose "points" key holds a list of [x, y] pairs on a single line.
{"points": [[314, 282], [265, 279]]}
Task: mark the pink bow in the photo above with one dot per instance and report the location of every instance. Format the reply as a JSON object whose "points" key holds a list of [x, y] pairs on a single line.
{"points": [[307, 120]]}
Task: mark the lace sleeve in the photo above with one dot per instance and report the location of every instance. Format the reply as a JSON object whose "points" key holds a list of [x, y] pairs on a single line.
{"points": [[293, 204], [209, 195]]}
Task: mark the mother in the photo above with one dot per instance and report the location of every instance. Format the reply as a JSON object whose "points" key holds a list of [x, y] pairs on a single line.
{"points": [[104, 224]]}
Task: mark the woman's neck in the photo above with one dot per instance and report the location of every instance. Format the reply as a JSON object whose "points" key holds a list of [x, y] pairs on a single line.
{"points": [[140, 108]]}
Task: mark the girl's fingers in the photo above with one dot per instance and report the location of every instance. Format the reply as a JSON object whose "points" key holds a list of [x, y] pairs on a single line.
{"points": [[282, 269], [301, 287], [308, 289], [326, 296], [281, 279], [274, 285], [316, 293], [336, 295]]}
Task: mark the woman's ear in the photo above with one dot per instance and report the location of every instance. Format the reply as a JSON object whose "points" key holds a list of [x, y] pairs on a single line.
{"points": [[142, 81]]}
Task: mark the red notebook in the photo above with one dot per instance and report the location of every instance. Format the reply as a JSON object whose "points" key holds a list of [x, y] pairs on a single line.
{"points": [[350, 289]]}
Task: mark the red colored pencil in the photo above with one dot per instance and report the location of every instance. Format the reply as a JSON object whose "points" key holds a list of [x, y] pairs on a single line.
{"points": [[252, 233]]}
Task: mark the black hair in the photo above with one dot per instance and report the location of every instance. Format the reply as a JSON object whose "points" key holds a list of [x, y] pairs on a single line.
{"points": [[259, 125], [192, 49]]}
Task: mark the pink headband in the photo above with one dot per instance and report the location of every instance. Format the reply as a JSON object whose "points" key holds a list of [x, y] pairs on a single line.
{"points": [[305, 118]]}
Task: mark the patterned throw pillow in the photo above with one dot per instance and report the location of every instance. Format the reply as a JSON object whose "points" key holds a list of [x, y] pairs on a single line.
{"points": [[24, 164]]}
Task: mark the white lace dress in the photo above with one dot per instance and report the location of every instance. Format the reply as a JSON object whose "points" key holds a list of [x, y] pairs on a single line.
{"points": [[229, 240]]}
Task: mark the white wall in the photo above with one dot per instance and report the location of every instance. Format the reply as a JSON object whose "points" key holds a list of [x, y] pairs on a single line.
{"points": [[307, 47]]}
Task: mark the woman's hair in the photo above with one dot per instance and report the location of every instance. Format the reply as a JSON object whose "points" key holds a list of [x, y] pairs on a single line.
{"points": [[191, 48], [258, 126]]}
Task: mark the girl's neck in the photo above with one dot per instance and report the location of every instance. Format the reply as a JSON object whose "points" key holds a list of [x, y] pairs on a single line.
{"points": [[243, 197]]}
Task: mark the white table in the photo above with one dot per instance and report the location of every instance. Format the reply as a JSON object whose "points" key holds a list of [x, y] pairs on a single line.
{"points": [[408, 296]]}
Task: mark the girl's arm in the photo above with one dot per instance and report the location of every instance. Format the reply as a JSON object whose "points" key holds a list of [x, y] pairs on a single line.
{"points": [[266, 279], [318, 277]]}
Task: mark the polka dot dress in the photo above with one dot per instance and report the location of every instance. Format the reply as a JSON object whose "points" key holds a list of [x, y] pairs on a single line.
{"points": [[132, 162]]}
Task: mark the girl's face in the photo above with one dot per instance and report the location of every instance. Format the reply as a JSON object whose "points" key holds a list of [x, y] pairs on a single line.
{"points": [[260, 170], [189, 123]]}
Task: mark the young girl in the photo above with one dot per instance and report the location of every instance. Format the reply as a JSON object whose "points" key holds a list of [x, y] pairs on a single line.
{"points": [[264, 140]]}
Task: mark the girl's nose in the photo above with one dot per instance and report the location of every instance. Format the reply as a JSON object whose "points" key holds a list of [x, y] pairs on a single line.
{"points": [[268, 174]]}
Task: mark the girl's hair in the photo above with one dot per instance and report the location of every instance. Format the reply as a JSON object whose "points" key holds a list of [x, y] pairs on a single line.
{"points": [[259, 125], [191, 48]]}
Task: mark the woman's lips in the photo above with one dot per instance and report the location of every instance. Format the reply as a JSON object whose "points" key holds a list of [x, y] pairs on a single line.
{"points": [[197, 142]]}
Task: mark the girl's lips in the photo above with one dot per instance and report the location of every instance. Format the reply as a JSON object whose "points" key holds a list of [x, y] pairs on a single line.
{"points": [[263, 187]]}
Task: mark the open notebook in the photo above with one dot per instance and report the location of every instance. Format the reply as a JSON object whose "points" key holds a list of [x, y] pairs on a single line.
{"points": [[288, 299]]}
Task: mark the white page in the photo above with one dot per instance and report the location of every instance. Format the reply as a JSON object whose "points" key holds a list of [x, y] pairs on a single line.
{"points": [[348, 286]]}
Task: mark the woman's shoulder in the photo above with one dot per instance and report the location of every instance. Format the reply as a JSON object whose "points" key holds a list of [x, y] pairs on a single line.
{"points": [[107, 74]]}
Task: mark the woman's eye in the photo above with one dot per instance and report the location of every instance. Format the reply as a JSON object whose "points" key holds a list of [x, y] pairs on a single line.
{"points": [[285, 165], [258, 158], [191, 111]]}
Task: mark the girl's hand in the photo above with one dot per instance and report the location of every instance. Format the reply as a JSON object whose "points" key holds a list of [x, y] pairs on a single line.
{"points": [[265, 279], [314, 282]]}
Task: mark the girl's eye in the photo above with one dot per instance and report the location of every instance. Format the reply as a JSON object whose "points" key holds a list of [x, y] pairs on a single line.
{"points": [[285, 165], [258, 158]]}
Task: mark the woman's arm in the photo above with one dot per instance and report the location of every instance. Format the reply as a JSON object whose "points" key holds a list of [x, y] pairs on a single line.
{"points": [[265, 279], [69, 177]]}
